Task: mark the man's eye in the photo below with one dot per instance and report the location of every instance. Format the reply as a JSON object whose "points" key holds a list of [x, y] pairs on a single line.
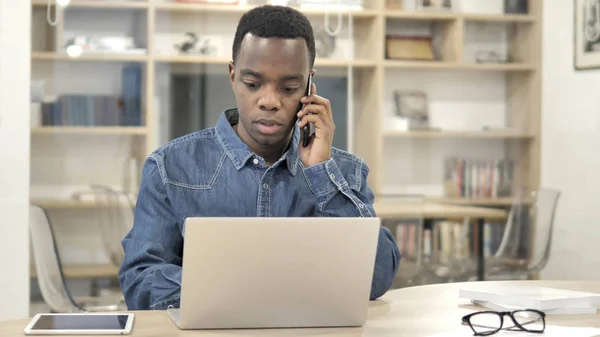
{"points": [[251, 85], [289, 90]]}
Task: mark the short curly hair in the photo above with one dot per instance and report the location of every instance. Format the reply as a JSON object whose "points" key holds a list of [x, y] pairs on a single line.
{"points": [[275, 21]]}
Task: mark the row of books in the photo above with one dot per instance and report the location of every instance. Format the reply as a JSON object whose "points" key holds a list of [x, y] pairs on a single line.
{"points": [[124, 109], [474, 178], [448, 240]]}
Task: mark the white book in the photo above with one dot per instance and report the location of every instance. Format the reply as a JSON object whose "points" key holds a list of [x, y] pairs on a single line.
{"points": [[530, 297], [558, 311]]}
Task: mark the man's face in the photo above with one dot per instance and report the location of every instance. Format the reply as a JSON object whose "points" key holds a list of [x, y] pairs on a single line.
{"points": [[268, 80]]}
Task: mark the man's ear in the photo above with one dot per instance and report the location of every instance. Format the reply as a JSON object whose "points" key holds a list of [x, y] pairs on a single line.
{"points": [[231, 73], [313, 72]]}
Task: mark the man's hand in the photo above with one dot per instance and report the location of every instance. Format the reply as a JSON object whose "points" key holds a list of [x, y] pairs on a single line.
{"points": [[319, 149]]}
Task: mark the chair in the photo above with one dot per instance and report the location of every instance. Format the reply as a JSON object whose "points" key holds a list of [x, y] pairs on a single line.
{"points": [[524, 249], [118, 208], [115, 218], [53, 285]]}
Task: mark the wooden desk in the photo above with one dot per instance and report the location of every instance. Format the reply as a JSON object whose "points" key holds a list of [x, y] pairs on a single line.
{"points": [[393, 208], [416, 311]]}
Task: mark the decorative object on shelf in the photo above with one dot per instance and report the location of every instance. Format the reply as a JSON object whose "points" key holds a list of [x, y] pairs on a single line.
{"points": [[436, 5], [488, 56], [515, 6], [394, 4], [193, 45], [587, 34], [409, 48], [79, 45], [189, 44], [232, 2], [324, 43], [413, 109]]}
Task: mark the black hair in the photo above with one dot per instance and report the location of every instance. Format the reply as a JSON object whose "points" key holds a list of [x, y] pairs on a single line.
{"points": [[275, 21]]}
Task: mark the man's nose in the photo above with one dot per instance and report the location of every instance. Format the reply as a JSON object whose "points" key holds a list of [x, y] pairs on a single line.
{"points": [[270, 100]]}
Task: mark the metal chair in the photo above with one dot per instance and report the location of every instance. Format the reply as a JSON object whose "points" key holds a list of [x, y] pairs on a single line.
{"points": [[50, 275]]}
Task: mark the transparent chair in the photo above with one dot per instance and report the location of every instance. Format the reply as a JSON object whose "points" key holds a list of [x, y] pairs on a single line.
{"points": [[114, 216], [526, 242], [52, 283]]}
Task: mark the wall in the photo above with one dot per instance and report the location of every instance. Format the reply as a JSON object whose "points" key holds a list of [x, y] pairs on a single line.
{"points": [[570, 147], [14, 151]]}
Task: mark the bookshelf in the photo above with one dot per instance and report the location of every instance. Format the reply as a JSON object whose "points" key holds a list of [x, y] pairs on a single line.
{"points": [[464, 96], [519, 81]]}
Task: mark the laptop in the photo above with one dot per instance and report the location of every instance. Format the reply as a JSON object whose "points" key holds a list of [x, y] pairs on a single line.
{"points": [[243, 273]]}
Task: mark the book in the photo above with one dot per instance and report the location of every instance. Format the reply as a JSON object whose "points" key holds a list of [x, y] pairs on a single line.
{"points": [[530, 297], [558, 311]]}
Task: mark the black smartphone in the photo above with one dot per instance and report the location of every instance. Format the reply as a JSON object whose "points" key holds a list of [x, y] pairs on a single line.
{"points": [[307, 130]]}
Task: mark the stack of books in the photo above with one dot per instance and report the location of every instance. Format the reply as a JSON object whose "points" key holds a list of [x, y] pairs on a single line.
{"points": [[518, 297]]}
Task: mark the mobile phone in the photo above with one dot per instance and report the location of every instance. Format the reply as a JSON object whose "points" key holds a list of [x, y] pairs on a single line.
{"points": [[80, 324], [308, 129]]}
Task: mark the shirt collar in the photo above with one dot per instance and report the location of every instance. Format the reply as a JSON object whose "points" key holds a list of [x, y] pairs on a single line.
{"points": [[239, 153]]}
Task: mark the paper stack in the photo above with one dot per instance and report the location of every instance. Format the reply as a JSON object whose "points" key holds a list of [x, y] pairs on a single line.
{"points": [[510, 297]]}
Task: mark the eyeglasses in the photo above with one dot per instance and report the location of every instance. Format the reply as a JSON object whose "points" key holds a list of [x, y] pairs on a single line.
{"points": [[486, 323]]}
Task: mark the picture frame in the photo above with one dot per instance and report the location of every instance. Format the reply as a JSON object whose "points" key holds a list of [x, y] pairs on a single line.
{"points": [[436, 5], [413, 106], [586, 34]]}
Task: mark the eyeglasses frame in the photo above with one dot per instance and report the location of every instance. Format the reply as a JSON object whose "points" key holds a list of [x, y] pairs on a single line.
{"points": [[467, 320]]}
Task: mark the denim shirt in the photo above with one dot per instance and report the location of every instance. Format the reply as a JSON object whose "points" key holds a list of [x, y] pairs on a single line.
{"points": [[212, 173]]}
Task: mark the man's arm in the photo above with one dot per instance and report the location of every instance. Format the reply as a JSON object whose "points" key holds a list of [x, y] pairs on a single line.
{"points": [[335, 198], [150, 275]]}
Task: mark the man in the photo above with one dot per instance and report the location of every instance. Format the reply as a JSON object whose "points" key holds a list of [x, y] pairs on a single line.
{"points": [[251, 164]]}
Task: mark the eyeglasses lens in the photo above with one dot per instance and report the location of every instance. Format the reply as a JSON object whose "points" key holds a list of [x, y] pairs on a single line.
{"points": [[485, 322], [530, 320]]}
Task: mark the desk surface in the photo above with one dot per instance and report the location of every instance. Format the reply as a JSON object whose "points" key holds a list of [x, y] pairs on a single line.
{"points": [[415, 311]]}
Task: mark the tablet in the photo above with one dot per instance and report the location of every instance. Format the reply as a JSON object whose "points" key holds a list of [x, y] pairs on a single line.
{"points": [[80, 324]]}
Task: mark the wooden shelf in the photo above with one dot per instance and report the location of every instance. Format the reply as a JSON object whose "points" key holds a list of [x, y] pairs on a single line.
{"points": [[473, 201], [55, 56], [96, 4], [193, 59], [420, 16], [84, 271], [71, 204], [238, 9], [459, 134], [449, 16], [507, 18], [90, 130], [497, 67], [391, 208], [440, 65]]}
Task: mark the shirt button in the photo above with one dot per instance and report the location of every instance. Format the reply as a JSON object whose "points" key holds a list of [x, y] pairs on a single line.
{"points": [[255, 161], [265, 186], [361, 205], [332, 176]]}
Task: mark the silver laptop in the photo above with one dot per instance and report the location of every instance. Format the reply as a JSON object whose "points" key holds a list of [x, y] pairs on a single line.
{"points": [[276, 272]]}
